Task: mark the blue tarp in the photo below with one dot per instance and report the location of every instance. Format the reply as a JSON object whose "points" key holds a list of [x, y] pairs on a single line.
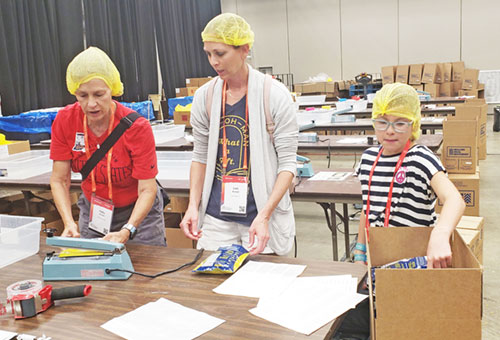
{"points": [[41, 121], [173, 102]]}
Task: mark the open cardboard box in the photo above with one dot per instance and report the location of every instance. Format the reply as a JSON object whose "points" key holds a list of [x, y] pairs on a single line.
{"points": [[431, 304]]}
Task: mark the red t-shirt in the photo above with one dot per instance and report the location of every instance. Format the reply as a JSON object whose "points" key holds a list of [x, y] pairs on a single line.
{"points": [[133, 155]]}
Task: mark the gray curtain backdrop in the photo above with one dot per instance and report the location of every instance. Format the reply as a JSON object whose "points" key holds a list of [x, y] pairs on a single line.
{"points": [[38, 39]]}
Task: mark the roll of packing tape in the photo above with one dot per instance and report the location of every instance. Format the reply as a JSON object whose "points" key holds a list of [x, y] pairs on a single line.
{"points": [[29, 287]]}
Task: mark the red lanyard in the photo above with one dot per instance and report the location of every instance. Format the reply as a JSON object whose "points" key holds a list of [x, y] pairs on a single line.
{"points": [[224, 138], [87, 152], [389, 195]]}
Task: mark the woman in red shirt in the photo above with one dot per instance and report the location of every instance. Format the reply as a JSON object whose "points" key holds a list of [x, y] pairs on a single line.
{"points": [[120, 197]]}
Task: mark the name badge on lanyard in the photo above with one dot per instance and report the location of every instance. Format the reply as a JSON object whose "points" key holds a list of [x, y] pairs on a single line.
{"points": [[234, 189], [101, 214], [101, 209], [234, 195]]}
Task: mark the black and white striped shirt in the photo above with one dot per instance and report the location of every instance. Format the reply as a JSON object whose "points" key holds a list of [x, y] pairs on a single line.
{"points": [[413, 199]]}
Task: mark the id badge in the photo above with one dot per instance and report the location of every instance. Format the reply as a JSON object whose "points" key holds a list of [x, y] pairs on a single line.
{"points": [[101, 214], [234, 195]]}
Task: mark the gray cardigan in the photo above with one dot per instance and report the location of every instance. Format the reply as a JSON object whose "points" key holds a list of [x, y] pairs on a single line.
{"points": [[267, 160]]}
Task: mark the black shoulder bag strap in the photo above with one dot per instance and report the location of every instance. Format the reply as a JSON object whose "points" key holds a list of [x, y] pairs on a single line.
{"points": [[117, 132]]}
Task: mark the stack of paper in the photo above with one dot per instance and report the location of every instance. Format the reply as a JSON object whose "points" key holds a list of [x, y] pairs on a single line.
{"points": [[310, 302], [162, 319]]}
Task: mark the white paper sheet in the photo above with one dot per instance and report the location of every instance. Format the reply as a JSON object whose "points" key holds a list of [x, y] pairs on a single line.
{"points": [[258, 279], [6, 335], [162, 318], [330, 176], [310, 302]]}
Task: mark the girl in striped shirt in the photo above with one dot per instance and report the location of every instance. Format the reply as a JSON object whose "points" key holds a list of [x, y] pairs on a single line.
{"points": [[400, 179]]}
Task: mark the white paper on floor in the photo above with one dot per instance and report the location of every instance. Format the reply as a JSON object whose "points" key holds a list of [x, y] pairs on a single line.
{"points": [[162, 319]]}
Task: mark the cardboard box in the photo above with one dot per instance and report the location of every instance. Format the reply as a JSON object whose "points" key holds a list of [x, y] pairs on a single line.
{"points": [[418, 87], [468, 186], [185, 91], [429, 73], [416, 74], [177, 239], [416, 304], [457, 71], [445, 89], [197, 82], [470, 79], [388, 74], [447, 75], [182, 117], [459, 153], [307, 88], [472, 110], [474, 242], [402, 72], [177, 204], [433, 89], [477, 93], [473, 224], [439, 73], [14, 147], [456, 88]]}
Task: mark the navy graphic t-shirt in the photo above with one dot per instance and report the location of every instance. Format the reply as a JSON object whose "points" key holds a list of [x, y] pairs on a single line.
{"points": [[237, 135]]}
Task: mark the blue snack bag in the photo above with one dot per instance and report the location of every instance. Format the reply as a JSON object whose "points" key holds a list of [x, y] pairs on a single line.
{"points": [[226, 261]]}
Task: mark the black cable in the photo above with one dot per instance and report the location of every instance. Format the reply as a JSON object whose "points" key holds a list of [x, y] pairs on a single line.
{"points": [[32, 195], [197, 257]]}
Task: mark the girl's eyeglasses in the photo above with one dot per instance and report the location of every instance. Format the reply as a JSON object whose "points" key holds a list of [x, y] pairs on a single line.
{"points": [[383, 125]]}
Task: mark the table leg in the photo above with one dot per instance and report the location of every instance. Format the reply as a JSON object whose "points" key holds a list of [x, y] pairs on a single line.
{"points": [[331, 223], [346, 232], [27, 195]]}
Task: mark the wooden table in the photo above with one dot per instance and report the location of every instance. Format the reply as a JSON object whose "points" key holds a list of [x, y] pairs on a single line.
{"points": [[428, 123], [81, 318], [333, 143]]}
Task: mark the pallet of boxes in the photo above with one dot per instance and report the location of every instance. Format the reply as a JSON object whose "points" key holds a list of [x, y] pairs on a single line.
{"points": [[438, 79], [182, 114]]}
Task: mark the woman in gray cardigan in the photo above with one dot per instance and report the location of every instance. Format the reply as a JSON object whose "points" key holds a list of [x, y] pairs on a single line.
{"points": [[241, 171]]}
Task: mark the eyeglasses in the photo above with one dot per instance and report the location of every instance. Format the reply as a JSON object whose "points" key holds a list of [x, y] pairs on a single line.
{"points": [[383, 125]]}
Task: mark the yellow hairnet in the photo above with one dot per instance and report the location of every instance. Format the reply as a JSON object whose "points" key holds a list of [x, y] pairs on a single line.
{"points": [[93, 63], [230, 29], [398, 100]]}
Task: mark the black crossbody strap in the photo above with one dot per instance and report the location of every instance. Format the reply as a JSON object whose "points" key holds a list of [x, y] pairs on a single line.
{"points": [[117, 132]]}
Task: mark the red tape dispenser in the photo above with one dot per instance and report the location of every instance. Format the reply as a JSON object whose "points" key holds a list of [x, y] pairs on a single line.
{"points": [[28, 298]]}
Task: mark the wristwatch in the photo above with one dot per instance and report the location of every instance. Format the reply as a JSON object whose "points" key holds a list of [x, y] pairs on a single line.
{"points": [[131, 229]]}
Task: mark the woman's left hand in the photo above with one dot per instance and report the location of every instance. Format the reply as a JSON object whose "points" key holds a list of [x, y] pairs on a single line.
{"points": [[439, 250], [121, 236], [259, 235]]}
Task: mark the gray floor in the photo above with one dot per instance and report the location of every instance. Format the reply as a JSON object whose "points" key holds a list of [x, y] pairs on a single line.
{"points": [[314, 238]]}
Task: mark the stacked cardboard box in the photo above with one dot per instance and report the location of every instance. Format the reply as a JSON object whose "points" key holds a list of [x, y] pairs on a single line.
{"points": [[173, 215], [439, 79], [331, 89], [192, 84], [471, 228]]}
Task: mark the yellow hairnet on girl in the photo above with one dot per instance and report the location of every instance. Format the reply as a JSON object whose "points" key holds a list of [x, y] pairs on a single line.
{"points": [[230, 29], [93, 63], [398, 100]]}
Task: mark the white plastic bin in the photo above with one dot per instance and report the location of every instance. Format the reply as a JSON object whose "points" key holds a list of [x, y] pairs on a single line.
{"points": [[26, 164], [165, 133], [19, 237], [174, 165], [318, 116]]}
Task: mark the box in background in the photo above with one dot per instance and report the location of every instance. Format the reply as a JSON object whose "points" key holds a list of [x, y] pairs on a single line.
{"points": [[185, 91], [474, 242], [456, 88], [14, 147], [468, 186], [429, 73], [470, 79], [19, 238], [416, 74], [472, 110], [197, 82], [177, 239], [459, 153], [439, 73], [433, 89], [388, 74], [478, 92], [402, 72], [415, 304], [457, 71], [447, 75], [182, 117], [473, 224], [418, 87], [445, 89]]}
